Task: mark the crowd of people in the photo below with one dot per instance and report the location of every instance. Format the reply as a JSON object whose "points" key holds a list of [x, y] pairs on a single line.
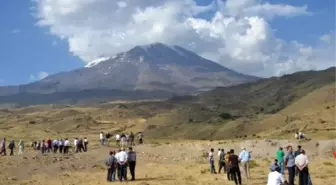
{"points": [[118, 163], [295, 162], [121, 139]]}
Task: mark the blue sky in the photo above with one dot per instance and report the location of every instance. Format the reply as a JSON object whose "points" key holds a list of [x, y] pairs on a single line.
{"points": [[28, 49]]}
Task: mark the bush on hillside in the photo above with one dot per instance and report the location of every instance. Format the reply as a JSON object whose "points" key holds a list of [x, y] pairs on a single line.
{"points": [[226, 116]]}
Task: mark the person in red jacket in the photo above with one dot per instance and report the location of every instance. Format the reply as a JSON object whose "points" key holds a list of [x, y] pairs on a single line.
{"points": [[49, 145]]}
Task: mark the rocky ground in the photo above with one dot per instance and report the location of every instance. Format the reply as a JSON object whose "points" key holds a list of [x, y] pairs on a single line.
{"points": [[160, 162]]}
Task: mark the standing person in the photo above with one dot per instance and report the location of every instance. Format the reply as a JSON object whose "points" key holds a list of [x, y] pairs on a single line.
{"points": [[111, 163], [301, 162], [3, 147], [290, 164], [280, 156], [122, 139], [296, 153], [228, 166], [122, 164], [43, 147], [117, 137], [11, 147], [108, 136], [101, 138], [127, 139], [61, 145], [244, 157], [140, 138], [66, 146], [55, 145], [49, 142], [21, 147], [80, 145], [235, 171], [76, 144], [86, 142], [132, 139], [212, 161], [131, 162], [221, 161]]}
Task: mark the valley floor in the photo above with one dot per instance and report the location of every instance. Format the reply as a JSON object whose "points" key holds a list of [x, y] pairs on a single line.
{"points": [[159, 163]]}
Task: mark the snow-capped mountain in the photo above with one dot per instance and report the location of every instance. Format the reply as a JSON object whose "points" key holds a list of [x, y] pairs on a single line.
{"points": [[147, 68]]}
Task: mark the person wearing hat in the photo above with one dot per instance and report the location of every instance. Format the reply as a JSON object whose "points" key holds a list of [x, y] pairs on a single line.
{"points": [[122, 160]]}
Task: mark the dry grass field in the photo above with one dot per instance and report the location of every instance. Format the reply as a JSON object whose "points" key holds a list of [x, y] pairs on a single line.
{"points": [[159, 163], [174, 158]]}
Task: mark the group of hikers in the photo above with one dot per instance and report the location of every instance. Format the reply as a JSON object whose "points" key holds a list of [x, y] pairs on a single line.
{"points": [[117, 163], [120, 139], [295, 162], [61, 145], [47, 146], [11, 147]]}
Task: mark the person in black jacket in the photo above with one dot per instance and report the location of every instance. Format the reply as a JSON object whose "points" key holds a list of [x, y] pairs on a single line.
{"points": [[11, 147]]}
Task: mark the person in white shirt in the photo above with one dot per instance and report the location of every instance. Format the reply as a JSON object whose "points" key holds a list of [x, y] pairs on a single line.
{"points": [[86, 142], [122, 158], [212, 161], [66, 146], [102, 138], [219, 152], [275, 177], [75, 144], [117, 137], [301, 162]]}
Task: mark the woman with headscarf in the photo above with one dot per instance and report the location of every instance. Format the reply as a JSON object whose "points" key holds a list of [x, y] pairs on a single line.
{"points": [[21, 147]]}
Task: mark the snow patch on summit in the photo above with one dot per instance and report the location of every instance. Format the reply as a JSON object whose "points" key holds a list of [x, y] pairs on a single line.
{"points": [[96, 61]]}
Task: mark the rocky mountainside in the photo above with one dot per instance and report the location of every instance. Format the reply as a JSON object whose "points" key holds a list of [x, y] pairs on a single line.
{"points": [[156, 67]]}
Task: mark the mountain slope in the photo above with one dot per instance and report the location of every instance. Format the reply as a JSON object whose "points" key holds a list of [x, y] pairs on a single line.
{"points": [[148, 68], [239, 110]]}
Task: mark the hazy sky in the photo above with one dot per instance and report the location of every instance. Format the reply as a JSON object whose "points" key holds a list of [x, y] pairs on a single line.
{"points": [[257, 37]]}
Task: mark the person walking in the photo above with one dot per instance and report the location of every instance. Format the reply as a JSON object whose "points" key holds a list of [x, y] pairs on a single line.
{"points": [[117, 137], [290, 164], [280, 156], [11, 147], [244, 158], [111, 163], [235, 171], [86, 142], [66, 146], [132, 139], [121, 157], [301, 162], [221, 161], [228, 166], [132, 162], [21, 147], [3, 147], [61, 145], [212, 161], [102, 138], [55, 145]]}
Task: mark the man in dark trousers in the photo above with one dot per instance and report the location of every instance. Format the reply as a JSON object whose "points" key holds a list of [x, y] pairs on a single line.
{"points": [[111, 163], [221, 161], [235, 171], [131, 162], [11, 147]]}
